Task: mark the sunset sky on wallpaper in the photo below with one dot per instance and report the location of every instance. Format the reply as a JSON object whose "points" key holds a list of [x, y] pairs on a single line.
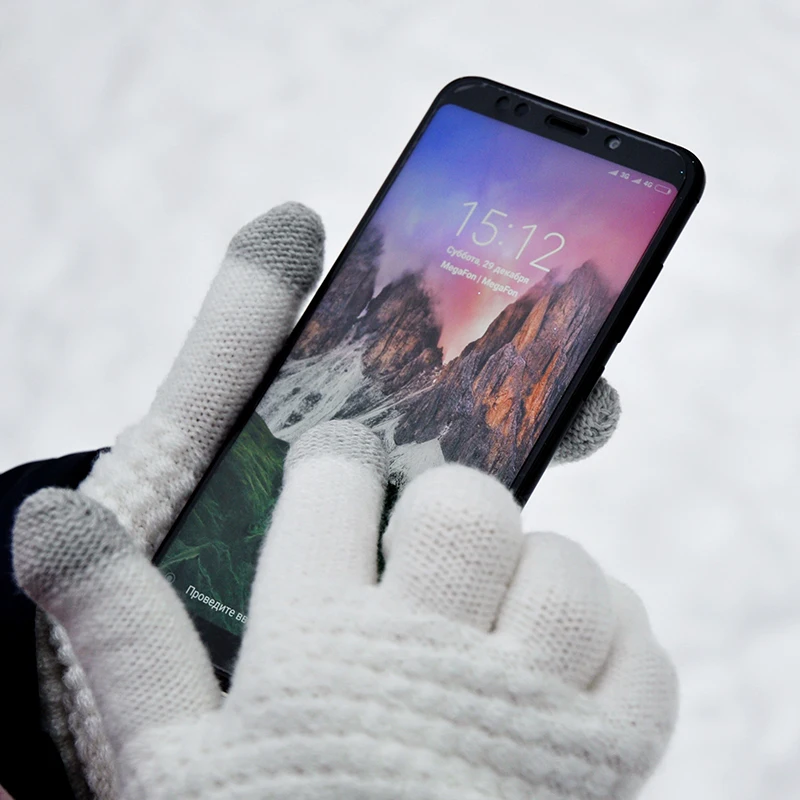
{"points": [[466, 158]]}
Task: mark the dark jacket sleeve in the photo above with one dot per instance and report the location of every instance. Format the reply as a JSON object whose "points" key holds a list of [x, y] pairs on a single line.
{"points": [[30, 767]]}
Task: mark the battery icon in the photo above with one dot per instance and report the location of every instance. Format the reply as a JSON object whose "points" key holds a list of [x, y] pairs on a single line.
{"points": [[661, 189]]}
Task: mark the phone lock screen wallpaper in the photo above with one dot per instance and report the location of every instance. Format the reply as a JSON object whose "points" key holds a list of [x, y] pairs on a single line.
{"points": [[452, 329]]}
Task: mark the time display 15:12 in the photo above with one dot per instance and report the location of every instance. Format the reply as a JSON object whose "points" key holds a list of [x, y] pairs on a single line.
{"points": [[488, 231]]}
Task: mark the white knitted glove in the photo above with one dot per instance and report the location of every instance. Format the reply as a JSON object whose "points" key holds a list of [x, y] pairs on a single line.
{"points": [[485, 664], [153, 466]]}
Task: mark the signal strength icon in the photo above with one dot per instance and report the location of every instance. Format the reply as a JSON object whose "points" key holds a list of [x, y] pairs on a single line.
{"points": [[638, 180], [614, 172]]}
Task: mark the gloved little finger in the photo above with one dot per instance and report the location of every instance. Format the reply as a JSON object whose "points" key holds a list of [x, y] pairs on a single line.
{"points": [[270, 265], [638, 687], [143, 657], [558, 611]]}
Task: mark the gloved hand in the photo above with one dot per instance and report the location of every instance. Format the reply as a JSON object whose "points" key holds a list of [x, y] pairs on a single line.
{"points": [[153, 467], [484, 665]]}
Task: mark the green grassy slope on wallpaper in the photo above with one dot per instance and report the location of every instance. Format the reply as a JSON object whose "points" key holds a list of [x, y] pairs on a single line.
{"points": [[216, 547]]}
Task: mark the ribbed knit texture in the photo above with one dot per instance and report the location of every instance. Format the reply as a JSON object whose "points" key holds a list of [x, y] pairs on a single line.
{"points": [[367, 705], [485, 665], [153, 466]]}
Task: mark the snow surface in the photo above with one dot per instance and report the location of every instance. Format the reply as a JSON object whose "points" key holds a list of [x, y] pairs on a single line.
{"points": [[136, 136]]}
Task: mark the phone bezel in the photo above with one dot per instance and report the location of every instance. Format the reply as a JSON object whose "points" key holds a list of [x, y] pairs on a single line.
{"points": [[638, 152]]}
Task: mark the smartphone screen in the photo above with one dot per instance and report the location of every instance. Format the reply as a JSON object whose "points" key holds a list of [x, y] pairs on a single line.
{"points": [[452, 328]]}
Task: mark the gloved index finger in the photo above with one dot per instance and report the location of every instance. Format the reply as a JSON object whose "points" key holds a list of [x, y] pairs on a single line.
{"points": [[324, 531], [323, 540]]}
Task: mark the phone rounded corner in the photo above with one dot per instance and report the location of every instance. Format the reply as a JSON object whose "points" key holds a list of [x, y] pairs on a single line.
{"points": [[695, 173], [224, 678], [457, 85]]}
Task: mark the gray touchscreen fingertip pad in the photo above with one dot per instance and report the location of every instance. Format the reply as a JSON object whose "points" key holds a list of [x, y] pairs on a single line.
{"points": [[289, 240]]}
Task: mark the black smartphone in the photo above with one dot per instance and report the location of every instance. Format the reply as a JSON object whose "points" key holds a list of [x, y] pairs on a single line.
{"points": [[469, 315]]}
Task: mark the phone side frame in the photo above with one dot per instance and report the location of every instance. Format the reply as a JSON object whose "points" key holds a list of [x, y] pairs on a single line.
{"points": [[215, 637]]}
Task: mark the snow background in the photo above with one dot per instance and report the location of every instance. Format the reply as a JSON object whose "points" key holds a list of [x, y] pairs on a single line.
{"points": [[136, 137]]}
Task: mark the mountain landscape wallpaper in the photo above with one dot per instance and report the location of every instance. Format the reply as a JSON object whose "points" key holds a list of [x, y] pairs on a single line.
{"points": [[470, 300], [377, 360]]}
